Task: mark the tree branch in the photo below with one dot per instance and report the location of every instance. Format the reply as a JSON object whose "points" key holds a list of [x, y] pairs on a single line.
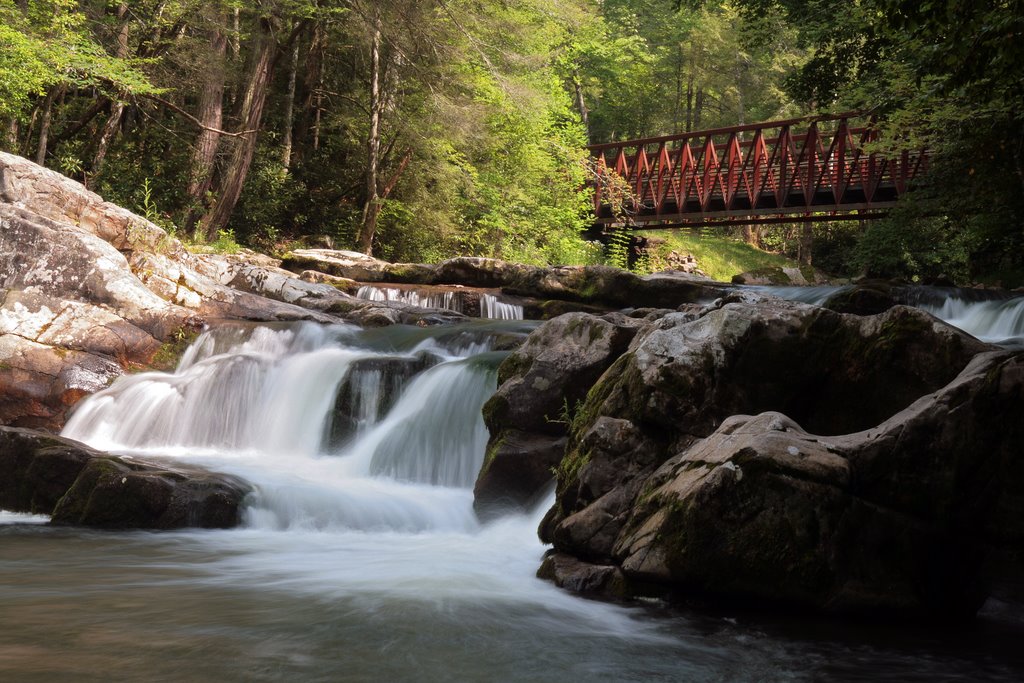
{"points": [[173, 107]]}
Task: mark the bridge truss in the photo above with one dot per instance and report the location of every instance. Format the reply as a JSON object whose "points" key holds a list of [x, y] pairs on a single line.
{"points": [[816, 168]]}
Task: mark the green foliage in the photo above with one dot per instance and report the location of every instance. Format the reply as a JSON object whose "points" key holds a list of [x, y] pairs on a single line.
{"points": [[719, 255], [47, 44]]}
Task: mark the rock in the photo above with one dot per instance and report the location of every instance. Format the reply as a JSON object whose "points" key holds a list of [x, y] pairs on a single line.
{"points": [[685, 374], [342, 284], [541, 386], [518, 469], [37, 469], [50, 195], [869, 299], [565, 571], [356, 266], [74, 325], [46, 474], [115, 493], [781, 276], [39, 384], [474, 271], [65, 262], [910, 517]]}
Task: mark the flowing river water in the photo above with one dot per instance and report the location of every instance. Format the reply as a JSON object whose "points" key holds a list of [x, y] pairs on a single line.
{"points": [[360, 558]]}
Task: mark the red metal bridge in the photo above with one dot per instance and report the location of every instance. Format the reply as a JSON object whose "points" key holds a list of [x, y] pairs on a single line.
{"points": [[815, 168]]}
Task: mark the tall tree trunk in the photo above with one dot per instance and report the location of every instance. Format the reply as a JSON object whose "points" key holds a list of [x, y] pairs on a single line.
{"points": [[110, 128], [113, 123], [677, 107], [698, 107], [689, 100], [289, 108], [581, 104], [211, 116], [371, 210], [11, 134], [44, 125], [253, 101], [806, 241]]}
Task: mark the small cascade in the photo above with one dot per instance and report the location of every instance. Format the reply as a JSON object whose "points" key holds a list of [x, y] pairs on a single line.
{"points": [[461, 300], [997, 321], [411, 297], [992, 317], [491, 307], [336, 427]]}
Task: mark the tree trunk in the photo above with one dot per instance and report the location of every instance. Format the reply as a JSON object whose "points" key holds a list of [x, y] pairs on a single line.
{"points": [[752, 235], [113, 123], [581, 104], [806, 241], [11, 141], [698, 107], [371, 210], [110, 129], [211, 116], [44, 125], [254, 99], [289, 108], [689, 100]]}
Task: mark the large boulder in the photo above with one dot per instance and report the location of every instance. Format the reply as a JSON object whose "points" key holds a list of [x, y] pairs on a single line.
{"points": [[541, 386], [901, 518], [45, 474], [666, 402]]}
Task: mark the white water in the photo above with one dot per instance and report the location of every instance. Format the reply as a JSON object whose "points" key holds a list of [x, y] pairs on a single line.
{"points": [[490, 306], [996, 320]]}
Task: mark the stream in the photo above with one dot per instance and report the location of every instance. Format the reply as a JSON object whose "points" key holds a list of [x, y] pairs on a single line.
{"points": [[360, 557]]}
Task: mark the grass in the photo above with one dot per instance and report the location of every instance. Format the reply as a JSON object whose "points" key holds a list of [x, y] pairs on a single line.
{"points": [[718, 255]]}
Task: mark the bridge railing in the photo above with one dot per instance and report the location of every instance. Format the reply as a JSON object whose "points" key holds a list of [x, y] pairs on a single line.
{"points": [[799, 167]]}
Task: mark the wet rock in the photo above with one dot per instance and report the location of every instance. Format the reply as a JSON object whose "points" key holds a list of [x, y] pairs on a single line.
{"points": [[567, 572], [684, 375], [39, 384], [116, 493], [518, 468], [77, 485], [37, 469], [909, 517], [541, 387], [868, 299]]}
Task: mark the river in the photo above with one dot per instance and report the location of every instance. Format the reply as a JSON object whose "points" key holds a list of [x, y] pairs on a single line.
{"points": [[360, 558]]}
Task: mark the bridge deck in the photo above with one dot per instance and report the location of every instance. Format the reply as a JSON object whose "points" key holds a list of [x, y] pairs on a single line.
{"points": [[799, 169]]}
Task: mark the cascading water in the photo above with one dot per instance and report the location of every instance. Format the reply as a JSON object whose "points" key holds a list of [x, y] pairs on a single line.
{"points": [[990, 316], [490, 306]]}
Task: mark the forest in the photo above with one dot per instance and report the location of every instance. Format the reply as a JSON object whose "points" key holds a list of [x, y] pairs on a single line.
{"points": [[423, 129]]}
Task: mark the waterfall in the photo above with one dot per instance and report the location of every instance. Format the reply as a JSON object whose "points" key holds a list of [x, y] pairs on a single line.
{"points": [[460, 300], [992, 317], [411, 297], [491, 307], [336, 427]]}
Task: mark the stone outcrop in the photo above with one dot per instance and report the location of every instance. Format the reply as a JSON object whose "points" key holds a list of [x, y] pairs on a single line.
{"points": [[874, 475], [550, 291], [542, 383], [45, 474]]}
